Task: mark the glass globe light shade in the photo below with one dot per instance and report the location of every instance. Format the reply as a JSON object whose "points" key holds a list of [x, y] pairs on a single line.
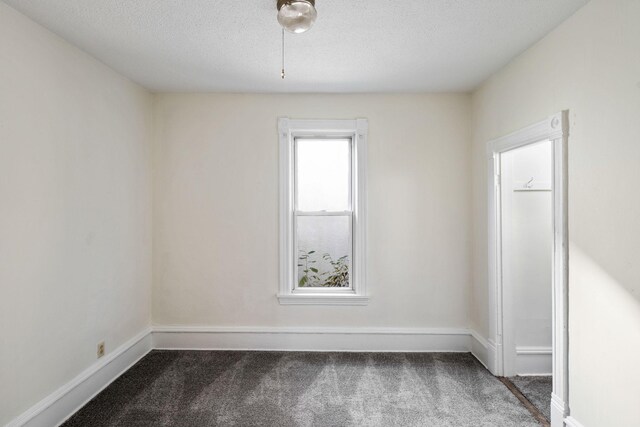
{"points": [[296, 16]]}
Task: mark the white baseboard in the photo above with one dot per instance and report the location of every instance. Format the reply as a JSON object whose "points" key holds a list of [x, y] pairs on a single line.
{"points": [[65, 401], [534, 360], [480, 348], [572, 422], [558, 411], [61, 404], [484, 350], [311, 339]]}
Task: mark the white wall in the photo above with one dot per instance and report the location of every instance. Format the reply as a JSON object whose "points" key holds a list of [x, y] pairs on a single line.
{"points": [[216, 210], [527, 234], [75, 211], [591, 66]]}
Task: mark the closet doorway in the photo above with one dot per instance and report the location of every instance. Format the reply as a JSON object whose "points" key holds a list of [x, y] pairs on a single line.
{"points": [[528, 256]]}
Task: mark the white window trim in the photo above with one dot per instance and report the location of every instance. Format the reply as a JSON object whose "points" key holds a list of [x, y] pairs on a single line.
{"points": [[357, 130]]}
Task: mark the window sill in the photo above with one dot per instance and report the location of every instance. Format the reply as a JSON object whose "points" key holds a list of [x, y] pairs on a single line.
{"points": [[322, 299]]}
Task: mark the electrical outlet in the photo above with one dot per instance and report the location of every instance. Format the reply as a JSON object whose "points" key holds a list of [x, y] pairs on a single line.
{"points": [[100, 349]]}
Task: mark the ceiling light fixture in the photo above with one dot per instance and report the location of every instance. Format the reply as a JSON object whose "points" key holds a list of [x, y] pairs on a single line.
{"points": [[295, 16]]}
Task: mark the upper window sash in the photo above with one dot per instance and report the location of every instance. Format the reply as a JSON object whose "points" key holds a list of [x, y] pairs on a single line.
{"points": [[297, 172]]}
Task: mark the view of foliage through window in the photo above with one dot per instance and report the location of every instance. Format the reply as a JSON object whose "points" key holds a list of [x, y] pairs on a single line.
{"points": [[322, 271]]}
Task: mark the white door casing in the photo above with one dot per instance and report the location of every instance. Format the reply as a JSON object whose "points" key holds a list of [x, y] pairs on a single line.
{"points": [[556, 129]]}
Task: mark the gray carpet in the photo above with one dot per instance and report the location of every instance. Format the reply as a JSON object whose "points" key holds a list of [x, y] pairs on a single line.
{"points": [[537, 390], [239, 388]]}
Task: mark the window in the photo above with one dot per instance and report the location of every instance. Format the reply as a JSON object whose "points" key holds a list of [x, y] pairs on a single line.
{"points": [[322, 211]]}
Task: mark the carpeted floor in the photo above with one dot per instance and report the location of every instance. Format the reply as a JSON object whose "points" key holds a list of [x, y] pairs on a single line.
{"points": [[537, 390], [239, 388]]}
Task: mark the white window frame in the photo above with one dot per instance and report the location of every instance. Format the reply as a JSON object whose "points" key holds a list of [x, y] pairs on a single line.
{"points": [[356, 130]]}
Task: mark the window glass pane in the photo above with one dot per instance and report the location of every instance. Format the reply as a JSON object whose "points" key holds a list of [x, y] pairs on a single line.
{"points": [[324, 251], [322, 169]]}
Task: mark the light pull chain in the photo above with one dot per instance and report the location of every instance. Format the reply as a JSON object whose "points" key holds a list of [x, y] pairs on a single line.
{"points": [[282, 73]]}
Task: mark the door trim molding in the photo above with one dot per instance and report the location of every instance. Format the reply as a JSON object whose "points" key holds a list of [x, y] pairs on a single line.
{"points": [[556, 129]]}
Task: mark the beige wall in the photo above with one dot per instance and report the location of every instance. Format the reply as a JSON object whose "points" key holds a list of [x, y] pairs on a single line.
{"points": [[75, 210], [216, 210], [591, 66]]}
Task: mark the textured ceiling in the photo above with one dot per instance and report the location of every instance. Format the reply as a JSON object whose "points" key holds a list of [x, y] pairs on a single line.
{"points": [[355, 45]]}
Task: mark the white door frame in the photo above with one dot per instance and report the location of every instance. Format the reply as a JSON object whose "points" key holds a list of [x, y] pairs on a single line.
{"points": [[556, 129]]}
